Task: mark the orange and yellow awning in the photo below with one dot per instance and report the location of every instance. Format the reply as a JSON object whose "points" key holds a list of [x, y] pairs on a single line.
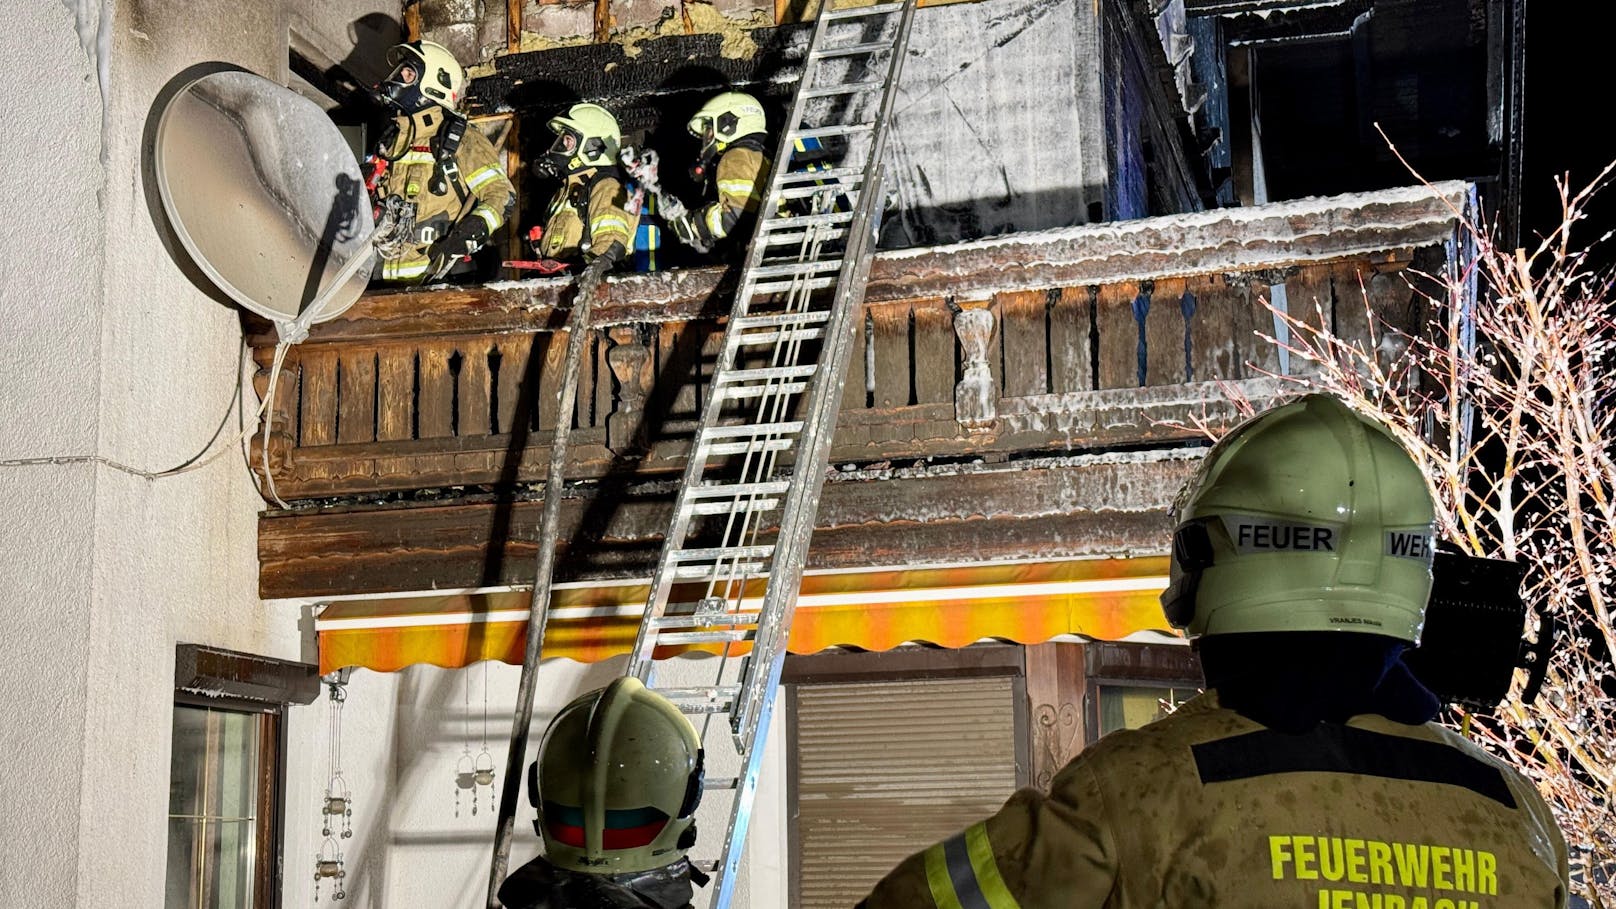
{"points": [[872, 609]]}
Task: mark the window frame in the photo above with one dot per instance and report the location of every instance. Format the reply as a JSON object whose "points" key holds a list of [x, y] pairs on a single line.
{"points": [[210, 677], [1127, 664], [271, 788]]}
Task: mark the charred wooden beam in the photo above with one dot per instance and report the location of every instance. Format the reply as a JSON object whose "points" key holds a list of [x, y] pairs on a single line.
{"points": [[1055, 508], [1291, 23], [606, 73]]}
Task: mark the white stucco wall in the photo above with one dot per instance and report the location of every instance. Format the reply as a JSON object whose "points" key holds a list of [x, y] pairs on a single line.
{"points": [[49, 362], [109, 351], [403, 735]]}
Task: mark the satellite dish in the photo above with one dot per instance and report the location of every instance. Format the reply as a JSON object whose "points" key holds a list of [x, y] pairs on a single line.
{"points": [[266, 196]]}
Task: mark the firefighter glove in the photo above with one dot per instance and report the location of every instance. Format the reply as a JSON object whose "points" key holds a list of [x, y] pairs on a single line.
{"points": [[463, 239], [690, 232]]}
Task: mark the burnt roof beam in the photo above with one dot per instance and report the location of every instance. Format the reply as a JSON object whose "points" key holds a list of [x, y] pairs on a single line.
{"points": [[1291, 23]]}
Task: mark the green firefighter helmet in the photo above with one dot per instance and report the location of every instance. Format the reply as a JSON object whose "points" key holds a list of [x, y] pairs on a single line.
{"points": [[1307, 517], [588, 135], [726, 117], [617, 782], [423, 72]]}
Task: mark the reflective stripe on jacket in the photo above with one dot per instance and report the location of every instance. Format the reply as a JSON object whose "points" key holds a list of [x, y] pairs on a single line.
{"points": [[602, 199], [485, 193], [1206, 808], [741, 172]]}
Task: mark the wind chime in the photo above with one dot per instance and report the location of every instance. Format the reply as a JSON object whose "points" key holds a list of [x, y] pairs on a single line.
{"points": [[473, 772], [337, 810]]}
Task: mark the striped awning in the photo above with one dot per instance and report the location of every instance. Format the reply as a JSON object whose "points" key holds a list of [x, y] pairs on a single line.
{"points": [[872, 609]]}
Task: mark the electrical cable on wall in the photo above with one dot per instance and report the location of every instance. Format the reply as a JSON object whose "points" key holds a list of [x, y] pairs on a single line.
{"points": [[194, 462]]}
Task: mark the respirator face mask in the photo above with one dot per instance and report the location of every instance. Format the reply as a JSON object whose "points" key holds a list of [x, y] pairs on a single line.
{"points": [[401, 90], [557, 161]]}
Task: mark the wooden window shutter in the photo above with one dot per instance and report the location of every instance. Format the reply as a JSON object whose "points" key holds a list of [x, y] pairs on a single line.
{"points": [[885, 769]]}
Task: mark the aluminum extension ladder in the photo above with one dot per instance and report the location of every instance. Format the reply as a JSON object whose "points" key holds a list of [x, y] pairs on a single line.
{"points": [[759, 457]]}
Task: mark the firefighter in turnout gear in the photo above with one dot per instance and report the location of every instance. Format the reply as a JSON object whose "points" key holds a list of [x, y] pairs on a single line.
{"points": [[731, 128], [445, 172], [591, 214], [1309, 773], [616, 785]]}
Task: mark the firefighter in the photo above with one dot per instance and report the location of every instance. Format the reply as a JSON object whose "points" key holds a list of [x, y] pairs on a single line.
{"points": [[590, 215], [446, 174], [731, 128], [616, 786], [1309, 773]]}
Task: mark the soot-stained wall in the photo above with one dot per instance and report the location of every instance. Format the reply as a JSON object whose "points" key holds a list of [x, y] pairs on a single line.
{"points": [[1000, 123], [995, 127]]}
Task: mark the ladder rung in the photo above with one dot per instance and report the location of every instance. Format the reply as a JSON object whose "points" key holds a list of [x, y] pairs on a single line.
{"points": [[774, 287], [797, 221], [755, 338], [702, 709], [851, 50], [844, 88], [721, 782], [679, 638], [737, 490], [710, 572], [854, 12], [722, 553], [749, 437], [707, 865], [797, 177], [791, 269], [713, 693], [766, 374], [751, 430], [808, 192], [689, 620], [738, 392], [789, 237], [825, 132], [750, 506], [756, 445], [810, 317]]}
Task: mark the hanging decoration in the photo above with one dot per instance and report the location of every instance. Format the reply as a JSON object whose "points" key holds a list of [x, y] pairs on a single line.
{"points": [[474, 772], [337, 809]]}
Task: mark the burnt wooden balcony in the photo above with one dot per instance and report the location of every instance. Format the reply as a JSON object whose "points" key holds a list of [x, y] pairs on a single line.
{"points": [[991, 380]]}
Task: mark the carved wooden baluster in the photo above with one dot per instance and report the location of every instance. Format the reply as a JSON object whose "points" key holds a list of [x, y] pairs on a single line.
{"points": [[630, 362], [282, 410], [976, 399]]}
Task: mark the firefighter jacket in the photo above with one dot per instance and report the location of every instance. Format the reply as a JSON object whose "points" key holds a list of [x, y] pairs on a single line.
{"points": [[741, 172], [1207, 808], [476, 187], [587, 214]]}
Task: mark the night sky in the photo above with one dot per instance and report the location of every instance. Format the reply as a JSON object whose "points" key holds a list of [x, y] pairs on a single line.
{"points": [[1569, 106]]}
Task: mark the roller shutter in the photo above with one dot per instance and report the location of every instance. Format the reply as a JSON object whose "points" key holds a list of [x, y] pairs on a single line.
{"points": [[884, 769]]}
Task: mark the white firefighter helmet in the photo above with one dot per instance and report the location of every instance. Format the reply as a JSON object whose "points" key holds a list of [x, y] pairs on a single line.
{"points": [[725, 117], [617, 782], [593, 133], [427, 69], [1307, 517]]}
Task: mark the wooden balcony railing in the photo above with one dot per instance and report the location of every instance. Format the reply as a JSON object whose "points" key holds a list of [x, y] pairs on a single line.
{"points": [[1071, 340]]}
